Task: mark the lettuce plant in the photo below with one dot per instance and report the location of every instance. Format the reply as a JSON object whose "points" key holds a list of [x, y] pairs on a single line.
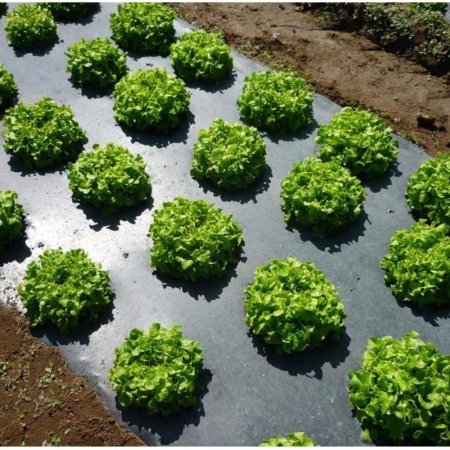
{"points": [[158, 370], [417, 264], [231, 156], [42, 134], [276, 101], [293, 306], [96, 62], [109, 177], [143, 27], [71, 12], [30, 26], [359, 140], [193, 240], [8, 88], [11, 218], [428, 190], [321, 195], [400, 393], [297, 439], [201, 56], [151, 99], [65, 289]]}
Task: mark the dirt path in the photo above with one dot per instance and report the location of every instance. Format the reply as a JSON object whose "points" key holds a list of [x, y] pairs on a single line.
{"points": [[42, 401], [343, 66]]}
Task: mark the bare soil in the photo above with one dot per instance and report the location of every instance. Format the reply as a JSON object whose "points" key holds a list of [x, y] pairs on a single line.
{"points": [[42, 402], [346, 67]]}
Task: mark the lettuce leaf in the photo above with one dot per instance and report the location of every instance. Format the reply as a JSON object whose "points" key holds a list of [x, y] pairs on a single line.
{"points": [[321, 195], [231, 156], [193, 240], [158, 370], [279, 102], [297, 439], [417, 264], [96, 62], [143, 27], [201, 56], [428, 189], [359, 140], [109, 177], [8, 88], [42, 134], [30, 26], [65, 289], [11, 218], [293, 306], [151, 100], [400, 393]]}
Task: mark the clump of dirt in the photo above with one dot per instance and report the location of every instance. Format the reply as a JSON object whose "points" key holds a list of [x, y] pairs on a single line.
{"points": [[42, 402], [346, 67]]}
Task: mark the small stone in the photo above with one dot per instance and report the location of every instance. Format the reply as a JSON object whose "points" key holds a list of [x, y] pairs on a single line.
{"points": [[40, 244], [125, 255]]}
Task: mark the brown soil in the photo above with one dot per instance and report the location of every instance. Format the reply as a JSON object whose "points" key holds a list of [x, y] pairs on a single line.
{"points": [[346, 67], [42, 401]]}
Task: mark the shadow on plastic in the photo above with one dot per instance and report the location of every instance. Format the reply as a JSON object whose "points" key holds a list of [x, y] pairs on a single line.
{"points": [[41, 51], [309, 362], [209, 289], [158, 139], [333, 243], [383, 181], [113, 220], [303, 133], [218, 86], [16, 250], [243, 196]]}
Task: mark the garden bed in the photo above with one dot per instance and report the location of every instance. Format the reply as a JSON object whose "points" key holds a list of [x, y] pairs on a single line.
{"points": [[251, 394], [346, 67]]}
